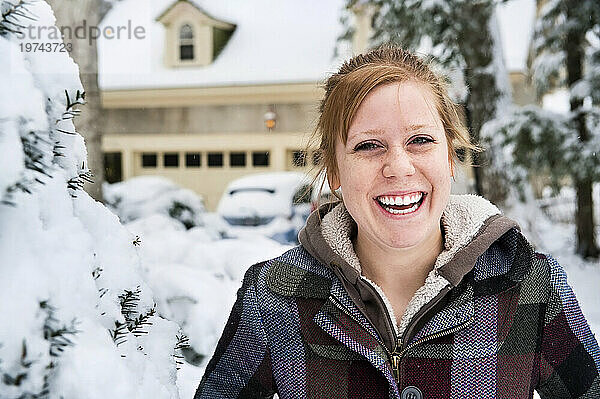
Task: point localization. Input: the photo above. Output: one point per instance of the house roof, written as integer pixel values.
(275, 42)
(283, 41)
(168, 14)
(172, 6)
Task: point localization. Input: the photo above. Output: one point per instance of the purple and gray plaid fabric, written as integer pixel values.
(510, 327)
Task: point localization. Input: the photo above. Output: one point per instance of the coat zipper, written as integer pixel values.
(437, 335)
(396, 355)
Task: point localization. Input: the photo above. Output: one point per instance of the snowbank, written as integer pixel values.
(194, 277)
(147, 195)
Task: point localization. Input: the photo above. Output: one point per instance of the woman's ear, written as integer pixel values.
(333, 180)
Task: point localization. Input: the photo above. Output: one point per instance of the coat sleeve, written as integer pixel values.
(240, 366)
(570, 359)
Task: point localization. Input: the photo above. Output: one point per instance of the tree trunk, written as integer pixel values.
(584, 216)
(477, 48)
(90, 123)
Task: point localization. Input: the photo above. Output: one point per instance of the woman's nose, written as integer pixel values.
(397, 163)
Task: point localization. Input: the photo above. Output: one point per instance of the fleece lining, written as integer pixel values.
(462, 220)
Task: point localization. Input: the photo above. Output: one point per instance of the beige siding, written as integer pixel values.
(225, 119)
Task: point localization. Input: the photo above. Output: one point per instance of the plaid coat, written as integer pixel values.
(510, 326)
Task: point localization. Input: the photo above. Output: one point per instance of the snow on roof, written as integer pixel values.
(284, 41)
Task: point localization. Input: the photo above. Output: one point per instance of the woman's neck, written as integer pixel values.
(398, 267)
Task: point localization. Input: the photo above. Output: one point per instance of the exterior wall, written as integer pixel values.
(225, 119)
(290, 93)
(202, 120)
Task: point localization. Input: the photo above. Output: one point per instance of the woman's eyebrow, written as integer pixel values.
(368, 132)
(413, 128)
(380, 132)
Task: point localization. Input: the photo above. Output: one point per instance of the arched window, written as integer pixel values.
(186, 42)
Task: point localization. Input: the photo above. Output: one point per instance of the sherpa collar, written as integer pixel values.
(470, 225)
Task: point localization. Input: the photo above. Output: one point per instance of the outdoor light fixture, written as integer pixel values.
(270, 118)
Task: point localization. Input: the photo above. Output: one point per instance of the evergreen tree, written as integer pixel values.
(463, 35)
(567, 55)
(566, 32)
(78, 319)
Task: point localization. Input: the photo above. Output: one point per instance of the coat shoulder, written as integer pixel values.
(510, 261)
(296, 273)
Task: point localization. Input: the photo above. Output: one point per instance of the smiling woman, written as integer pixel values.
(401, 290)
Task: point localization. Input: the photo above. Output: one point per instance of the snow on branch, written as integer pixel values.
(13, 16)
(540, 141)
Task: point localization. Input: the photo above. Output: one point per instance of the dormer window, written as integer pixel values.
(186, 43)
(193, 37)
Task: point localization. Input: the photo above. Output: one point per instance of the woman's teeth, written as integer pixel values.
(400, 200)
(400, 205)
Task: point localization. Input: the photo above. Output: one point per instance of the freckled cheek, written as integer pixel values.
(358, 173)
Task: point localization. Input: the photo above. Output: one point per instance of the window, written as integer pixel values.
(171, 160)
(149, 160)
(299, 159)
(192, 159)
(317, 158)
(186, 43)
(215, 159)
(260, 158)
(461, 154)
(112, 167)
(237, 159)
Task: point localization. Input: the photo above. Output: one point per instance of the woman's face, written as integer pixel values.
(394, 169)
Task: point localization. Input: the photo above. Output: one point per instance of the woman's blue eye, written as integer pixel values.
(369, 145)
(422, 140)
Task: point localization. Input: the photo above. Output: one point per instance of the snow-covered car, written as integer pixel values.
(274, 204)
(142, 196)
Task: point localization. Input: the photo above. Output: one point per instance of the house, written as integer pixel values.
(217, 89)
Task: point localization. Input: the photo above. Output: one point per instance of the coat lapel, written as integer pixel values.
(341, 319)
(457, 313)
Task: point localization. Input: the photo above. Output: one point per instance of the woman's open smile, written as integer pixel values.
(406, 204)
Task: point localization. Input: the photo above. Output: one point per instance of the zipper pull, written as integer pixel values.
(395, 360)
